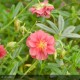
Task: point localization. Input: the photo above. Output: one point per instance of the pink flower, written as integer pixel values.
(41, 44)
(42, 9)
(2, 51)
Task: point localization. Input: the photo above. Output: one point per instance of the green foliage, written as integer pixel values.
(17, 9)
(60, 23)
(60, 30)
(64, 25)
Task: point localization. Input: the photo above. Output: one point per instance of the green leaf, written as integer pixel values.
(77, 29)
(17, 52)
(17, 9)
(69, 30)
(54, 27)
(52, 65)
(14, 70)
(44, 27)
(64, 13)
(54, 68)
(71, 35)
(60, 23)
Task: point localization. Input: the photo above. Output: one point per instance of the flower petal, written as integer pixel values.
(30, 43)
(2, 51)
(41, 56)
(33, 51)
(41, 35)
(50, 50)
(50, 40)
(33, 37)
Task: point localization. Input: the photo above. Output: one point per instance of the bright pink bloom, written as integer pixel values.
(2, 51)
(41, 44)
(42, 9)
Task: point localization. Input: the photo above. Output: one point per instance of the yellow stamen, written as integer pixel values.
(41, 45)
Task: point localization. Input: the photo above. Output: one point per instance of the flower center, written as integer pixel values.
(41, 45)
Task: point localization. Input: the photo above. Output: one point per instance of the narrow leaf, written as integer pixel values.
(17, 9)
(69, 29)
(56, 30)
(64, 13)
(71, 35)
(77, 29)
(14, 70)
(60, 23)
(17, 52)
(44, 27)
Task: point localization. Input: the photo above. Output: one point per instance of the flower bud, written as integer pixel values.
(11, 44)
(23, 29)
(17, 24)
(63, 53)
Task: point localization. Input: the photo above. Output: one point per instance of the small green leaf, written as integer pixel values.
(69, 30)
(54, 68)
(60, 23)
(77, 29)
(45, 28)
(54, 27)
(17, 52)
(17, 9)
(14, 70)
(71, 35)
(64, 13)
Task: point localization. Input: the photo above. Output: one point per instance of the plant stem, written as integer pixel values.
(53, 17)
(22, 38)
(28, 32)
(31, 68)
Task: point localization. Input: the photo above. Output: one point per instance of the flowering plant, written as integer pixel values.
(44, 45)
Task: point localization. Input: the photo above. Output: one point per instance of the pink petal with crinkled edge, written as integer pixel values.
(41, 35)
(50, 8)
(50, 40)
(47, 13)
(33, 51)
(50, 49)
(41, 56)
(2, 51)
(30, 43)
(39, 11)
(33, 37)
(32, 10)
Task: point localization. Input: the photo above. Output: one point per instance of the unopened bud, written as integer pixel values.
(17, 24)
(11, 44)
(63, 53)
(23, 29)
